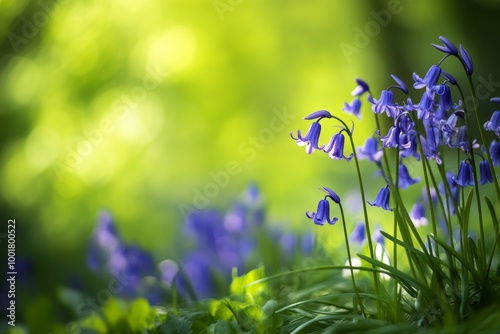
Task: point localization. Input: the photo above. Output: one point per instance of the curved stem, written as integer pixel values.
(365, 212)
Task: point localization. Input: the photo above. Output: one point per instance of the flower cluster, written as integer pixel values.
(214, 245)
(426, 127)
(109, 254)
(429, 127)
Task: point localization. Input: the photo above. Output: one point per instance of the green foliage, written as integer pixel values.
(117, 316)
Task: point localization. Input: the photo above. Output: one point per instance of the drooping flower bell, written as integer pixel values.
(361, 88)
(405, 180)
(417, 214)
(382, 199)
(494, 123)
(322, 214)
(310, 140)
(430, 79)
(391, 140)
(358, 235)
(465, 175)
(370, 151)
(335, 147)
(467, 60)
(485, 173)
(353, 108)
(448, 46)
(384, 103)
(495, 152)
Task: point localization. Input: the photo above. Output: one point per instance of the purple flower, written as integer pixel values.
(353, 108)
(425, 105)
(361, 88)
(430, 79)
(454, 188)
(467, 61)
(319, 114)
(431, 143)
(370, 150)
(417, 214)
(382, 199)
(448, 46)
(495, 152)
(311, 138)
(332, 195)
(409, 144)
(405, 180)
(322, 214)
(400, 84)
(391, 140)
(307, 243)
(358, 235)
(465, 176)
(235, 219)
(384, 103)
(485, 173)
(494, 123)
(445, 101)
(335, 148)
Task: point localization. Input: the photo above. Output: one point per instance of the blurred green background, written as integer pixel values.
(133, 106)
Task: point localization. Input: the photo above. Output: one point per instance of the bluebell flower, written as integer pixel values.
(494, 123)
(358, 235)
(382, 199)
(462, 140)
(322, 214)
(198, 268)
(204, 226)
(409, 144)
(406, 125)
(391, 140)
(353, 108)
(370, 151)
(319, 114)
(454, 188)
(104, 242)
(485, 173)
(288, 243)
(235, 220)
(445, 100)
(432, 141)
(361, 88)
(311, 138)
(405, 180)
(469, 66)
(335, 148)
(430, 79)
(495, 152)
(307, 243)
(465, 175)
(332, 195)
(400, 84)
(449, 78)
(384, 103)
(417, 214)
(495, 99)
(448, 46)
(425, 105)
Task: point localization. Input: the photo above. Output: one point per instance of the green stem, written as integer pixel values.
(473, 161)
(350, 262)
(367, 223)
